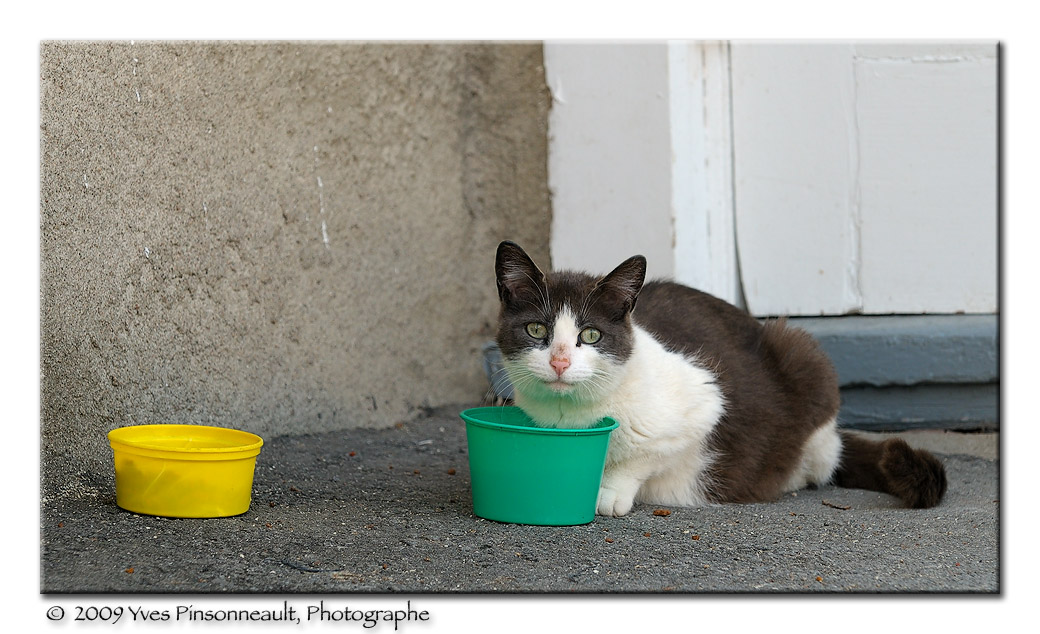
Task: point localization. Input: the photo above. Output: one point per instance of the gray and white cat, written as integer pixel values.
(713, 406)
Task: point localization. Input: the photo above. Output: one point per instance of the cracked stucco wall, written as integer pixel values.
(279, 237)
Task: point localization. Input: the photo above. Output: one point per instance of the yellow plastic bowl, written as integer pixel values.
(184, 470)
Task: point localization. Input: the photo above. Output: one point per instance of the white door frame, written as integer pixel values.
(640, 160)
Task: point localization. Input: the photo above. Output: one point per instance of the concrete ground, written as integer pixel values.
(389, 511)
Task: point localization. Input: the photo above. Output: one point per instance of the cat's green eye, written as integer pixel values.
(536, 330)
(590, 335)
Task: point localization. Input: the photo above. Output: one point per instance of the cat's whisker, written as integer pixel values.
(490, 396)
(542, 292)
(586, 304)
(597, 384)
(500, 370)
(534, 305)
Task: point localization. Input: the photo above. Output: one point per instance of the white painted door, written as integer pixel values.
(802, 179)
(865, 177)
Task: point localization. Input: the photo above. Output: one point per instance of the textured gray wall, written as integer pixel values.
(279, 237)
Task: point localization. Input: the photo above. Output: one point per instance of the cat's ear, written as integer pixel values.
(516, 274)
(621, 286)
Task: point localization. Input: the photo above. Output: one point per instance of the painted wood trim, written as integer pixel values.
(702, 168)
(909, 349)
(965, 407)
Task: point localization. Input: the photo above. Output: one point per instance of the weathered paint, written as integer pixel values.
(865, 177)
(705, 252)
(793, 160)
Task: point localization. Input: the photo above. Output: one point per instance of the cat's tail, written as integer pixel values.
(891, 466)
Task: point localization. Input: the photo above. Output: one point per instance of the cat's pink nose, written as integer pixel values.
(560, 365)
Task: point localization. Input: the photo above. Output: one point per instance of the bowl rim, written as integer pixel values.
(601, 427)
(118, 436)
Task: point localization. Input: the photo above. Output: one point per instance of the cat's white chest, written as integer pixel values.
(664, 400)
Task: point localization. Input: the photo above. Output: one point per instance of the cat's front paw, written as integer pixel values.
(613, 503)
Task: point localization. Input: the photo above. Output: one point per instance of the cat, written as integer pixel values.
(712, 405)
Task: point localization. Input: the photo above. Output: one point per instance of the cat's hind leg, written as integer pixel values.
(820, 457)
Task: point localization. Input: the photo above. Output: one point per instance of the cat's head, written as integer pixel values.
(564, 334)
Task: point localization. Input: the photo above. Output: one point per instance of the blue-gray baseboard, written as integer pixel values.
(914, 371)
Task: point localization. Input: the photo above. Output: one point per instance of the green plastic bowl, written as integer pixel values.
(524, 474)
